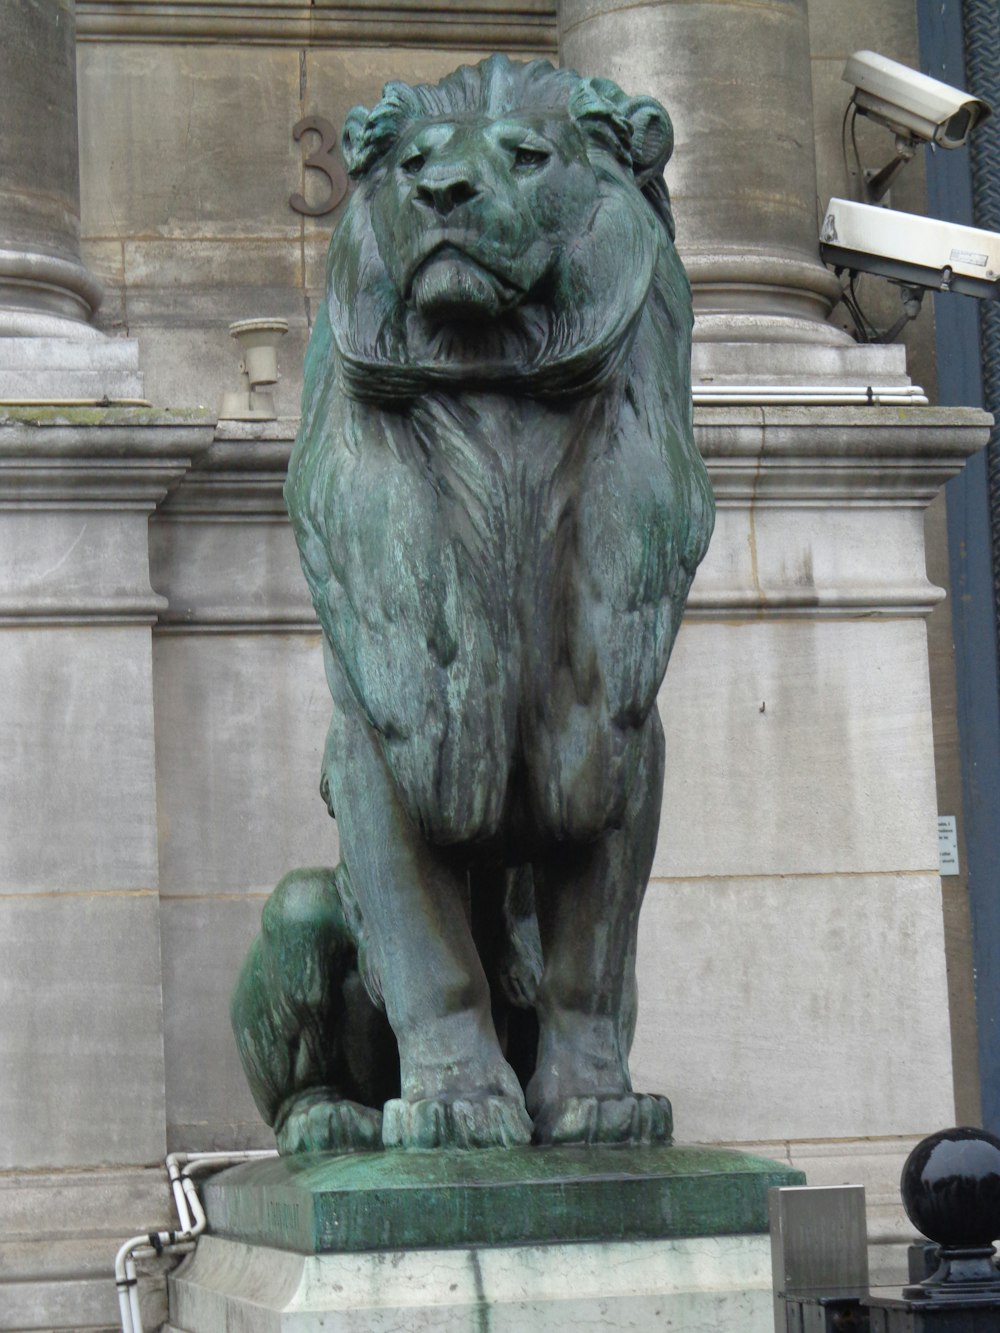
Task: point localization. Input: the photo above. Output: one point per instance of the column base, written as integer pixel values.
(794, 362)
(81, 366)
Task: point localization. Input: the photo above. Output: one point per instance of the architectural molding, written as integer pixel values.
(221, 547)
(76, 488)
(820, 515)
(484, 25)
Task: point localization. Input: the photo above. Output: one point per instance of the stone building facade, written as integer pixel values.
(806, 986)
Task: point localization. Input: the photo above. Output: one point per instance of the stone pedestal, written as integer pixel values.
(554, 1238)
(81, 1029)
(712, 1284)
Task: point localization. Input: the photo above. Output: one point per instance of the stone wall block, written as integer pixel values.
(239, 681)
(81, 1040)
(81, 1036)
(59, 1232)
(851, 25)
(167, 133)
(77, 778)
(241, 722)
(205, 940)
(76, 488)
(817, 1004)
(798, 747)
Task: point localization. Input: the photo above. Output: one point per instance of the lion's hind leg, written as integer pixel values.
(297, 1011)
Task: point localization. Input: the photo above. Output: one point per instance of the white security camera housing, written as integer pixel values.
(917, 107)
(916, 251)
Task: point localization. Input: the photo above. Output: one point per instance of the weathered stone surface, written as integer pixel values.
(45, 369)
(322, 1204)
(203, 942)
(157, 127)
(79, 915)
(76, 711)
(824, 995)
(189, 356)
(59, 1233)
(800, 363)
(221, 548)
(705, 1285)
(485, 25)
(833, 715)
(44, 287)
(80, 998)
(254, 708)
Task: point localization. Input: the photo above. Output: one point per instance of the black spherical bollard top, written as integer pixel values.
(951, 1188)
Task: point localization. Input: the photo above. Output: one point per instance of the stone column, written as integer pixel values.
(49, 350)
(44, 287)
(735, 78)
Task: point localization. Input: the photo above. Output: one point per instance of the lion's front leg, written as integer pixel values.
(457, 1090)
(588, 903)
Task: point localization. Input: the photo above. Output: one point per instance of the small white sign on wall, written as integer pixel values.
(947, 845)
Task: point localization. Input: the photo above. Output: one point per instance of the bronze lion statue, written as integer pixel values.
(499, 508)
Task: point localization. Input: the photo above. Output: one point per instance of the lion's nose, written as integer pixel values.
(445, 196)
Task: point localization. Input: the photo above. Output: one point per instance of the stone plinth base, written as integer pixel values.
(707, 1284)
(85, 367)
(325, 1204)
(553, 1238)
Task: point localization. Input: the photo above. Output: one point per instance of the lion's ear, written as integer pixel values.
(353, 140)
(652, 137)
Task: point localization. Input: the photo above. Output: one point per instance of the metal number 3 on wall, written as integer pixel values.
(322, 158)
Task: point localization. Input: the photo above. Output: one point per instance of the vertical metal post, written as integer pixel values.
(819, 1249)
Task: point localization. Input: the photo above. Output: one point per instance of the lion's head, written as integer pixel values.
(508, 225)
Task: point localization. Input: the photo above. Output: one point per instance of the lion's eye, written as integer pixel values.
(529, 157)
(412, 164)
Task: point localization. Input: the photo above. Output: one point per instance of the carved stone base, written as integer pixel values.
(710, 1284)
(524, 1238)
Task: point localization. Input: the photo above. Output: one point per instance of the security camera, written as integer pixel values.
(911, 250)
(915, 106)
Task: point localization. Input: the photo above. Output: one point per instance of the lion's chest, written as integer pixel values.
(461, 603)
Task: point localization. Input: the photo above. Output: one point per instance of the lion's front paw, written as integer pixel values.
(605, 1118)
(455, 1122)
(320, 1121)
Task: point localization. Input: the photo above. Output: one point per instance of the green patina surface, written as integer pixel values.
(500, 508)
(320, 1204)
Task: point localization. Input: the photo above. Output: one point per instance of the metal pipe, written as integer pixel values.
(190, 1214)
(809, 395)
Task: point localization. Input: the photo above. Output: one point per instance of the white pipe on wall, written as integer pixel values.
(190, 1214)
